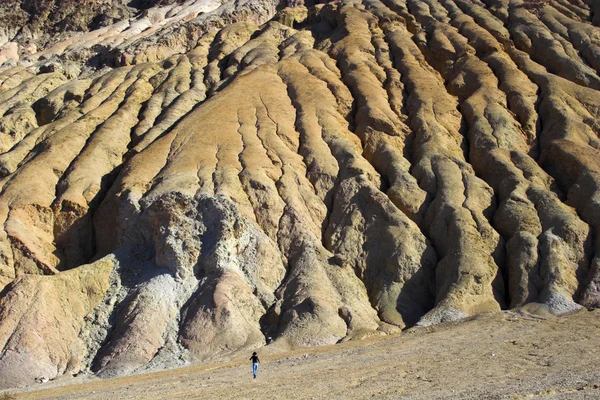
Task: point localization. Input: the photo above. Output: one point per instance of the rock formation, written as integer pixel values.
(185, 179)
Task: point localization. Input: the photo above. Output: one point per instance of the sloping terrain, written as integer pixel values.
(495, 356)
(208, 176)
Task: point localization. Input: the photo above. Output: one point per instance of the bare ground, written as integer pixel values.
(505, 355)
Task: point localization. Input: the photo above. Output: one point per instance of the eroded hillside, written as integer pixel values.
(204, 177)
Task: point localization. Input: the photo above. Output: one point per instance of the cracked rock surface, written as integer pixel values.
(182, 180)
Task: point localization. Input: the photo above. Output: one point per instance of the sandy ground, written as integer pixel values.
(498, 356)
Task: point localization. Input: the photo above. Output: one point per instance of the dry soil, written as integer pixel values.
(505, 355)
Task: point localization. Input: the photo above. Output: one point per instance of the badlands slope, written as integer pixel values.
(500, 356)
(183, 180)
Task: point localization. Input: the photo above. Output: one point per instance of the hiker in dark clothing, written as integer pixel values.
(255, 362)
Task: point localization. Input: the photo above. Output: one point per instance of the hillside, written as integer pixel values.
(184, 180)
(499, 356)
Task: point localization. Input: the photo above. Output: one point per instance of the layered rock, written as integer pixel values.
(209, 177)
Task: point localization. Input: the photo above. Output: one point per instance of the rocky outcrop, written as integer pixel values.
(207, 177)
(29, 26)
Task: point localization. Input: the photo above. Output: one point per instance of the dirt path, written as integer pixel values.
(498, 356)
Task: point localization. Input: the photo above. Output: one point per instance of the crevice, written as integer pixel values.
(575, 48)
(82, 224)
(214, 174)
(143, 140)
(69, 169)
(274, 122)
(277, 162)
(350, 115)
(381, 49)
(487, 55)
(133, 138)
(576, 13)
(444, 79)
(301, 133)
(536, 152)
(48, 131)
(244, 167)
(157, 179)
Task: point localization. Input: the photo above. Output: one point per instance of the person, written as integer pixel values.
(255, 362)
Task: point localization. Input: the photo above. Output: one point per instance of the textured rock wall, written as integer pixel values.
(208, 177)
